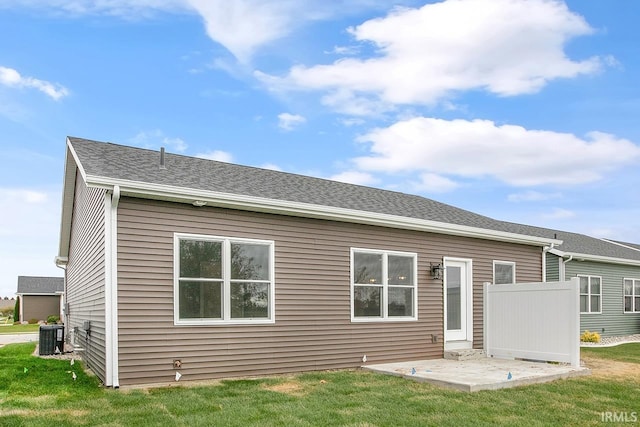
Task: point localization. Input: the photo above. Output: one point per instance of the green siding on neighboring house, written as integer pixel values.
(553, 267)
(613, 320)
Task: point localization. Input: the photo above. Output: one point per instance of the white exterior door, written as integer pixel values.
(458, 301)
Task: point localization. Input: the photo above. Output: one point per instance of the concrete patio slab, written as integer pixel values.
(480, 374)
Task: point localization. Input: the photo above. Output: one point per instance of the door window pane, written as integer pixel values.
(400, 301)
(367, 301)
(454, 298)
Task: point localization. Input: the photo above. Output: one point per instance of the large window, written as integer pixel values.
(632, 295)
(222, 280)
(504, 272)
(590, 294)
(383, 285)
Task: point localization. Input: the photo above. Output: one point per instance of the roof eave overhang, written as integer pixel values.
(72, 166)
(283, 207)
(576, 256)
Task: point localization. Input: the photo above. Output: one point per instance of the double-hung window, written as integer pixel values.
(632, 295)
(590, 294)
(221, 280)
(383, 285)
(504, 272)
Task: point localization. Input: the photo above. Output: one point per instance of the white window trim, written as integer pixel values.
(589, 294)
(385, 287)
(226, 279)
(633, 296)
(511, 263)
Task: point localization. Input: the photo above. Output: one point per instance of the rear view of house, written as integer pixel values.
(40, 297)
(180, 264)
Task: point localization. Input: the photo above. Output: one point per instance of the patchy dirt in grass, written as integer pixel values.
(45, 412)
(292, 388)
(607, 368)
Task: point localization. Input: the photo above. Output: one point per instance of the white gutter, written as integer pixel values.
(112, 200)
(307, 210)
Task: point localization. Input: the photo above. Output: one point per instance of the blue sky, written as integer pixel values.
(526, 111)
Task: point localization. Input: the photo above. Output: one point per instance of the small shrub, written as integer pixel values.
(16, 310)
(53, 319)
(590, 337)
(33, 321)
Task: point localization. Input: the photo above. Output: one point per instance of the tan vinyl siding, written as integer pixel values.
(39, 307)
(313, 328)
(85, 275)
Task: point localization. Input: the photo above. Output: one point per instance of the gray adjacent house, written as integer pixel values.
(220, 270)
(609, 275)
(40, 297)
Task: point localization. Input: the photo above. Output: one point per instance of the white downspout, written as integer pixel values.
(562, 277)
(111, 287)
(544, 261)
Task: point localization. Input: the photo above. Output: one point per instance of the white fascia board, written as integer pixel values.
(72, 165)
(306, 210)
(633, 248)
(606, 259)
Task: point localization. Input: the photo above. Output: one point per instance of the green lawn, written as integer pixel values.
(42, 392)
(623, 353)
(18, 329)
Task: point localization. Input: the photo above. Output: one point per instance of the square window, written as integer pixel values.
(383, 285)
(504, 272)
(221, 280)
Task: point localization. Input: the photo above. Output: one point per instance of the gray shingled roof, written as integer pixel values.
(137, 164)
(40, 285)
(120, 162)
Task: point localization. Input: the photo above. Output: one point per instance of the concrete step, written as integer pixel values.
(464, 354)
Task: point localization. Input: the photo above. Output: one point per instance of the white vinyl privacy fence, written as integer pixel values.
(538, 321)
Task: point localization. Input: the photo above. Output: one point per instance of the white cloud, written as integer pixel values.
(480, 148)
(288, 121)
(355, 177)
(12, 78)
(217, 155)
(157, 138)
(244, 26)
(28, 234)
(532, 196)
(507, 47)
(434, 183)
